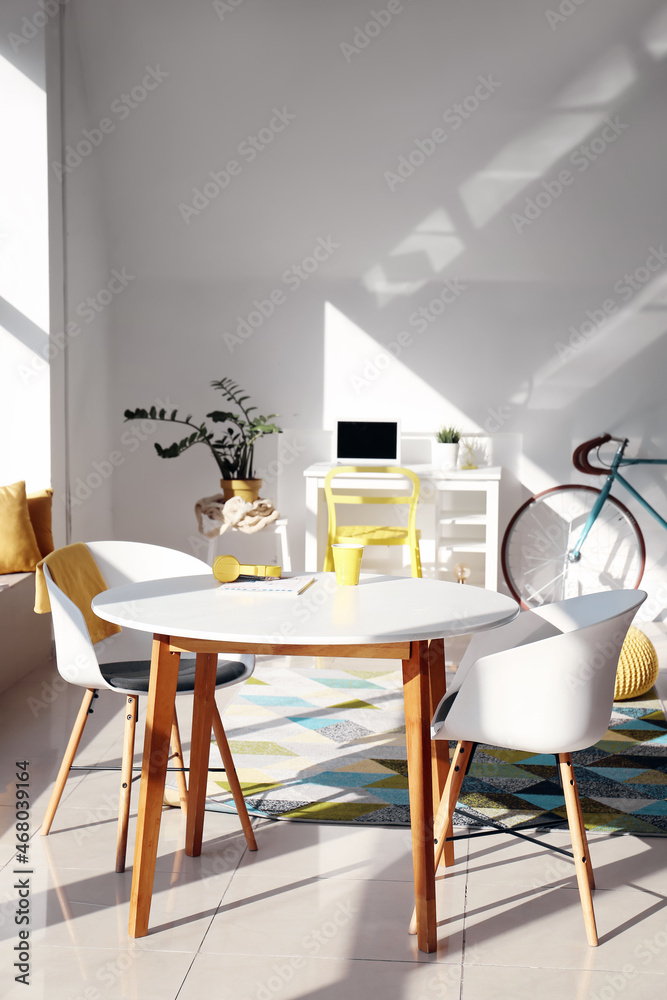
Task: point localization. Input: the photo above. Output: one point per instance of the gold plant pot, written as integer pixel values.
(246, 488)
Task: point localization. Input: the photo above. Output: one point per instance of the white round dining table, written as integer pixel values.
(383, 617)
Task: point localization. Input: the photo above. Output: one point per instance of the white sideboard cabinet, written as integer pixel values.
(466, 525)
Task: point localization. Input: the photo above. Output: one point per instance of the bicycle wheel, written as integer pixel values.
(539, 537)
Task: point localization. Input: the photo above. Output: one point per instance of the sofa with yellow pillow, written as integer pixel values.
(25, 538)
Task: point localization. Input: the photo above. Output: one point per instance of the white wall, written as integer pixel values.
(501, 355)
(24, 253)
(80, 371)
(53, 381)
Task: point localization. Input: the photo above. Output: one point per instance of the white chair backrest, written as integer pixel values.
(130, 562)
(76, 658)
(551, 695)
(119, 562)
(122, 562)
(526, 627)
(587, 609)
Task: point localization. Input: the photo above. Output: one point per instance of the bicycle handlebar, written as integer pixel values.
(580, 456)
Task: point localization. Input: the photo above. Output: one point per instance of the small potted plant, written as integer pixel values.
(446, 448)
(233, 451)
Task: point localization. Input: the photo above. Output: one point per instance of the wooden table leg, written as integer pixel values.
(416, 698)
(200, 746)
(159, 717)
(439, 748)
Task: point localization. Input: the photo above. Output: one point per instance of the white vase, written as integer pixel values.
(445, 456)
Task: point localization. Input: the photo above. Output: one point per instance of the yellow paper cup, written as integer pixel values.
(347, 562)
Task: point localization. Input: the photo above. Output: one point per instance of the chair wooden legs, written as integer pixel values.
(582, 859)
(177, 756)
(126, 772)
(586, 854)
(443, 818)
(126, 776)
(126, 780)
(232, 778)
(72, 747)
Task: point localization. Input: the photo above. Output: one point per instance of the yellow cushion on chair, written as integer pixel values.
(19, 551)
(637, 666)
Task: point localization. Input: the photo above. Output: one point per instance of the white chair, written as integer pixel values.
(121, 664)
(542, 684)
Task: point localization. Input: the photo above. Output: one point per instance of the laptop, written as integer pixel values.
(367, 442)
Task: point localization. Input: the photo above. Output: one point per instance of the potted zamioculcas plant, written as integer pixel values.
(446, 448)
(233, 450)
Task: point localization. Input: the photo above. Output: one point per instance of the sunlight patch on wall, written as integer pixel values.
(23, 196)
(533, 476)
(24, 281)
(605, 82)
(592, 351)
(655, 35)
(522, 161)
(530, 156)
(417, 259)
(363, 380)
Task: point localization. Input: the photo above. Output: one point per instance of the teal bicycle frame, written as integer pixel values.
(575, 554)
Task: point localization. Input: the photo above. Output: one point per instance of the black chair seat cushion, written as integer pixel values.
(132, 675)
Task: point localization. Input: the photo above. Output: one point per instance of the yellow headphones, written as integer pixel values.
(228, 568)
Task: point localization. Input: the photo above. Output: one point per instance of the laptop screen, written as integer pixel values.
(367, 441)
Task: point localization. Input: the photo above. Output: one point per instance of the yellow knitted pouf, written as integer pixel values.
(637, 666)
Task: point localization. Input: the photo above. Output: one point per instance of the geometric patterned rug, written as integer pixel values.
(316, 743)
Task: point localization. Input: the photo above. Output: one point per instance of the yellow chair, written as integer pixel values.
(368, 534)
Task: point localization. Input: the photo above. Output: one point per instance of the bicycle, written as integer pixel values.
(571, 540)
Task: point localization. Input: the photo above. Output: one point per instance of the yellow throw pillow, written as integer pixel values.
(39, 509)
(19, 551)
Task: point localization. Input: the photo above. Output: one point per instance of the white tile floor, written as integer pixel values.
(318, 911)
